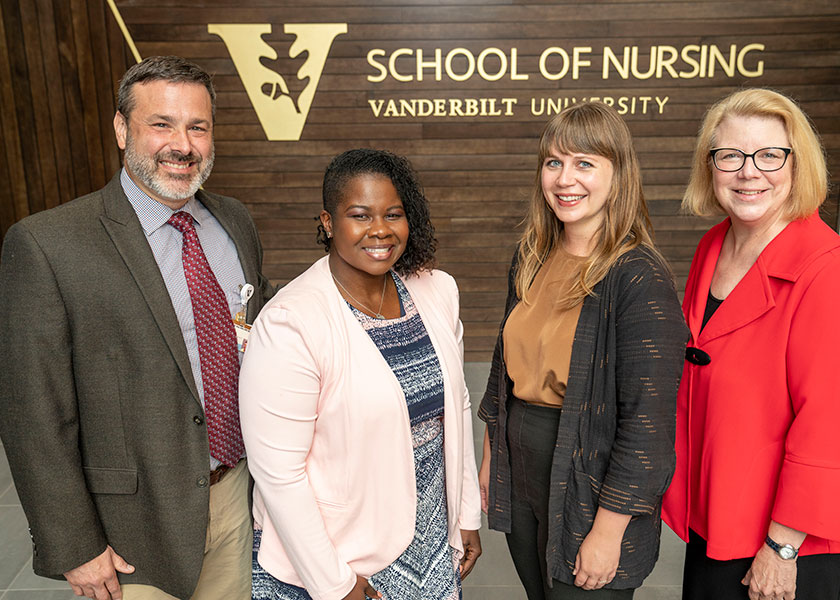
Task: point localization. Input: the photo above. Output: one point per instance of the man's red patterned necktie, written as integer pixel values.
(217, 349)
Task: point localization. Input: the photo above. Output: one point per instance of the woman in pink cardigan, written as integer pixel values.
(354, 410)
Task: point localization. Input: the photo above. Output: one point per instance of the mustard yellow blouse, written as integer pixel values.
(538, 335)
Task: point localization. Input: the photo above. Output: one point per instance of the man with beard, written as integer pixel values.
(119, 364)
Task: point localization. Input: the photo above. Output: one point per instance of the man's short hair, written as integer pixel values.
(173, 69)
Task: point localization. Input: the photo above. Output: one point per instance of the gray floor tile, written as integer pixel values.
(494, 593)
(659, 592)
(668, 570)
(40, 595)
(476, 376)
(494, 567)
(16, 547)
(5, 474)
(28, 580)
(9, 497)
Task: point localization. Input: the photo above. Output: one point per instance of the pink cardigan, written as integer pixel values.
(328, 437)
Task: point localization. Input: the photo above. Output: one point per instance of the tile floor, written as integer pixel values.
(493, 578)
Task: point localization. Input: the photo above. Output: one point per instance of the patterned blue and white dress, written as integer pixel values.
(427, 569)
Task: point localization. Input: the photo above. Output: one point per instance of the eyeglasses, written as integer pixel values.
(764, 159)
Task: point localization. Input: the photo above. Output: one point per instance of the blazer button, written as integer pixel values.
(202, 481)
(697, 356)
(198, 420)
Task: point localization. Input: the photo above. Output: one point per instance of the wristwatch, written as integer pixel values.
(786, 551)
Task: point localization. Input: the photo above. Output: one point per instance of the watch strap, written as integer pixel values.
(785, 551)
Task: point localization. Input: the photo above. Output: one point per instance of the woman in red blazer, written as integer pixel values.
(757, 483)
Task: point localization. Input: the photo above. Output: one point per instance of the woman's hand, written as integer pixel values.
(484, 473)
(771, 577)
(597, 559)
(362, 590)
(472, 550)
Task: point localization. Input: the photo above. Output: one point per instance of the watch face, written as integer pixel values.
(787, 552)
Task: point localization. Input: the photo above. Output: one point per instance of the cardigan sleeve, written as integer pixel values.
(488, 410)
(650, 335)
(279, 390)
(809, 482)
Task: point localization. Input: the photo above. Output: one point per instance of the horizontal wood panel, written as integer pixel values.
(603, 14)
(260, 179)
(560, 29)
(350, 51)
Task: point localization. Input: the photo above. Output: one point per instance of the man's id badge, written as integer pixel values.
(243, 330)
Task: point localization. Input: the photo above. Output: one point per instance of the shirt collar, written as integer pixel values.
(152, 214)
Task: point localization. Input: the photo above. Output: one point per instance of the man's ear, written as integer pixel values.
(120, 129)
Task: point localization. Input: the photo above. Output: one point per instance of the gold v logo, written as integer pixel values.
(282, 117)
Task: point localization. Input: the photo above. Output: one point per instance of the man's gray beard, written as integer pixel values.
(165, 186)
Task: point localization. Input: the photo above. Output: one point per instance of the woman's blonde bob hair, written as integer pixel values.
(810, 176)
(596, 129)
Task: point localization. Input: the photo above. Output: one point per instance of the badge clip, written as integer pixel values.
(239, 323)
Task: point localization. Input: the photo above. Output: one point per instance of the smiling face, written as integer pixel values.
(576, 187)
(749, 196)
(369, 228)
(168, 139)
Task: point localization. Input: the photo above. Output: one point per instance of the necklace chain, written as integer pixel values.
(376, 313)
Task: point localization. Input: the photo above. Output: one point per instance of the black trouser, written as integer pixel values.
(704, 578)
(532, 433)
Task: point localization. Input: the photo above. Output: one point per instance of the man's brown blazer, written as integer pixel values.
(99, 413)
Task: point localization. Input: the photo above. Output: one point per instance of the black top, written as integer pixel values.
(712, 304)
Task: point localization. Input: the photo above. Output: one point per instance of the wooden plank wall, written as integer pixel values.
(65, 58)
(59, 60)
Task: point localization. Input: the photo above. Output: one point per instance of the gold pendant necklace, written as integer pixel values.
(377, 314)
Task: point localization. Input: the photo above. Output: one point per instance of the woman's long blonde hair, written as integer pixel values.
(587, 128)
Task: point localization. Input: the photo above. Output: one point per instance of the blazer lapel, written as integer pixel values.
(698, 285)
(121, 223)
(750, 299)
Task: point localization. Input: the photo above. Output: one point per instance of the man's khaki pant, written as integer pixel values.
(226, 572)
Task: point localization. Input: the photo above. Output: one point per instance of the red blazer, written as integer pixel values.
(758, 428)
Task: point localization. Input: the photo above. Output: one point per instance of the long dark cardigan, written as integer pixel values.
(615, 439)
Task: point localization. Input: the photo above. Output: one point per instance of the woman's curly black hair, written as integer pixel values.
(420, 248)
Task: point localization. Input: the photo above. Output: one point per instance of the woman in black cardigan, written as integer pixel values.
(580, 403)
